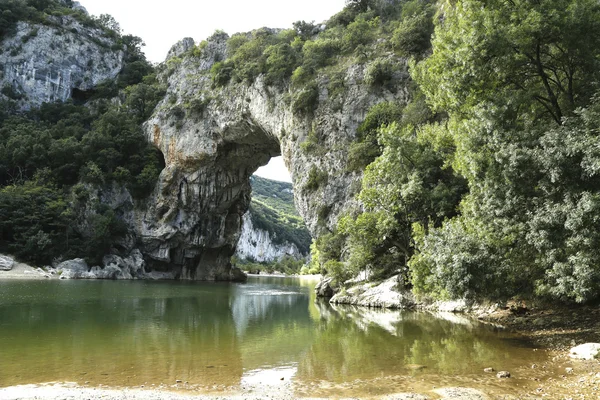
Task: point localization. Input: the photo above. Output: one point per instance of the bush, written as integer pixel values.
(306, 100)
(221, 73)
(316, 179)
(413, 35)
(379, 73)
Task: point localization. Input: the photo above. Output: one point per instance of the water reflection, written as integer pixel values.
(133, 333)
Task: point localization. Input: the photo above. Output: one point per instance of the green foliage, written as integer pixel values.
(272, 209)
(367, 147)
(379, 73)
(38, 223)
(220, 73)
(316, 179)
(412, 35)
(406, 184)
(306, 100)
(522, 127)
(54, 157)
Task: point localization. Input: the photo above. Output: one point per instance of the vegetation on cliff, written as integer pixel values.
(486, 184)
(54, 159)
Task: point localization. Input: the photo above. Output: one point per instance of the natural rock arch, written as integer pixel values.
(213, 139)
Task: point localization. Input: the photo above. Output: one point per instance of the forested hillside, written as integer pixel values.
(486, 184)
(272, 209)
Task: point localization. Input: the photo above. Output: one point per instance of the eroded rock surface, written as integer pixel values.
(214, 138)
(385, 295)
(56, 60)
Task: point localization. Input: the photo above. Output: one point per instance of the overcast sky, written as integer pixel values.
(162, 23)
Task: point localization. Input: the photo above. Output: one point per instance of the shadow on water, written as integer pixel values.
(133, 333)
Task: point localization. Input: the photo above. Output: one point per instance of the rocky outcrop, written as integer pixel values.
(384, 295)
(257, 244)
(213, 139)
(6, 263)
(325, 287)
(114, 267)
(57, 60)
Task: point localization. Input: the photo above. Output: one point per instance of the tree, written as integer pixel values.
(534, 59)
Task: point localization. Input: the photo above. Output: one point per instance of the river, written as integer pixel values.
(227, 337)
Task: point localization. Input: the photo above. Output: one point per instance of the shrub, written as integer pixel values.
(221, 73)
(306, 100)
(379, 73)
(316, 178)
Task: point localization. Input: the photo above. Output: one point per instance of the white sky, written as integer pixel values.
(162, 23)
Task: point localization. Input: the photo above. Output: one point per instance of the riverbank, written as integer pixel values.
(22, 271)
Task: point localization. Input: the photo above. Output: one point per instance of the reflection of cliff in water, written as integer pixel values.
(274, 321)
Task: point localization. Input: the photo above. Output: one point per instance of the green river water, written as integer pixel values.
(228, 337)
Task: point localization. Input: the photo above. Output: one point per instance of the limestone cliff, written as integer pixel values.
(214, 138)
(257, 244)
(53, 60)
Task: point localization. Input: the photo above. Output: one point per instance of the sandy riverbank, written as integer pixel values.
(21, 271)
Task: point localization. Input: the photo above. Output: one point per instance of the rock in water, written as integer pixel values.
(503, 374)
(587, 351)
(324, 288)
(6, 263)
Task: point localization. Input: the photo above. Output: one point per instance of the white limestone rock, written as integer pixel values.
(6, 263)
(45, 63)
(386, 294)
(257, 244)
(587, 351)
(194, 218)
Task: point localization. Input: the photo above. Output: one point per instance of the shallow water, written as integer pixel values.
(230, 337)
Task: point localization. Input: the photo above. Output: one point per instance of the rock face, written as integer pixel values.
(6, 263)
(257, 244)
(213, 139)
(56, 60)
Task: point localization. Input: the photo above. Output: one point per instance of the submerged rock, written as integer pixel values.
(587, 351)
(461, 393)
(6, 263)
(503, 374)
(114, 267)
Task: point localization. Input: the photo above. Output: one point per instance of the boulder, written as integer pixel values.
(386, 294)
(325, 288)
(6, 263)
(587, 351)
(503, 374)
(72, 269)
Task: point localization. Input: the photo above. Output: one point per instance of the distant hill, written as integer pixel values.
(272, 209)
